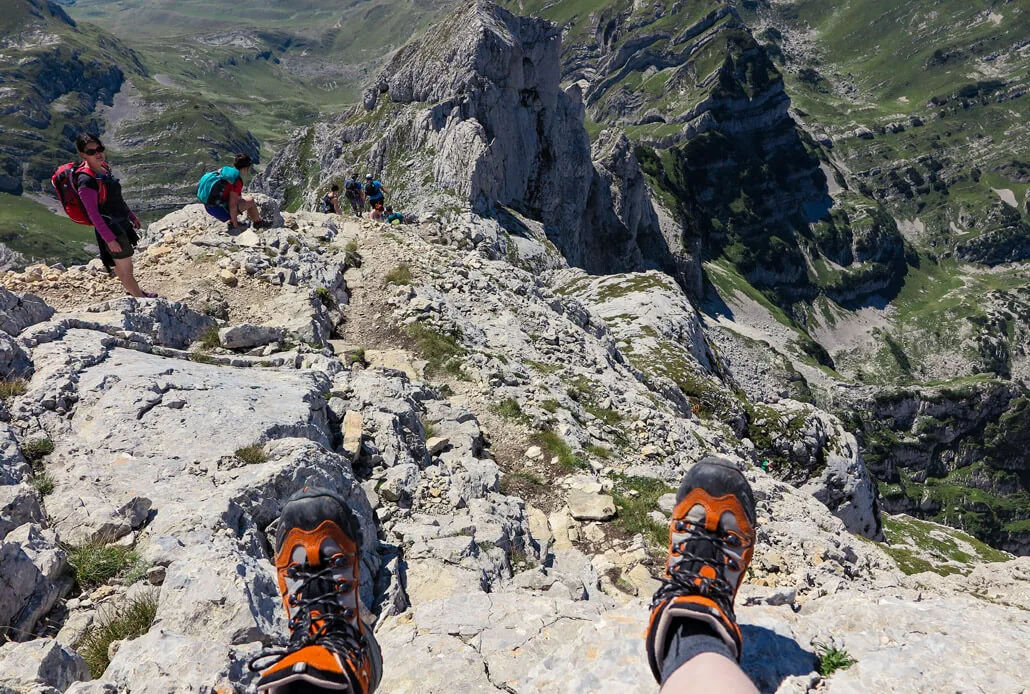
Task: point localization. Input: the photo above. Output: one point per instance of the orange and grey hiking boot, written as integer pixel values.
(317, 560)
(711, 540)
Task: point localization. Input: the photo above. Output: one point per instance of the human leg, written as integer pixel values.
(251, 208)
(123, 271)
(693, 640)
(317, 561)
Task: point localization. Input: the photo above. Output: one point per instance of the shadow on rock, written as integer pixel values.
(771, 655)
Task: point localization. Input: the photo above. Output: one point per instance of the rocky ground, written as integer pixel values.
(508, 430)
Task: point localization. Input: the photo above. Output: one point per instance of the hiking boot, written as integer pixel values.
(317, 561)
(711, 540)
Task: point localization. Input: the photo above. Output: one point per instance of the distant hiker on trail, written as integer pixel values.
(376, 215)
(375, 192)
(355, 196)
(393, 217)
(95, 197)
(330, 203)
(222, 194)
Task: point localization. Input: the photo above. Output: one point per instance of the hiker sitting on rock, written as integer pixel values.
(393, 217)
(227, 206)
(376, 215)
(330, 203)
(355, 196)
(115, 224)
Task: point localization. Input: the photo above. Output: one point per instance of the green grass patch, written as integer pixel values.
(251, 455)
(634, 508)
(40, 235)
(43, 483)
(94, 563)
(12, 388)
(554, 446)
(509, 408)
(209, 340)
(324, 296)
(399, 275)
(832, 658)
(125, 622)
(550, 405)
(521, 483)
(443, 353)
(543, 367)
(35, 450)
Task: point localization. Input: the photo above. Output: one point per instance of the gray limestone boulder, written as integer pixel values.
(33, 566)
(19, 504)
(19, 311)
(24, 666)
(248, 335)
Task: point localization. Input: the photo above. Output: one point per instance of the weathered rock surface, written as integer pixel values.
(43, 662)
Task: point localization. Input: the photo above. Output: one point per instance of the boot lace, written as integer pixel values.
(319, 619)
(684, 580)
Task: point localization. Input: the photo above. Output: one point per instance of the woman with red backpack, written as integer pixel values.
(115, 224)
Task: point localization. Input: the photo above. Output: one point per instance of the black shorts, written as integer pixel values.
(124, 234)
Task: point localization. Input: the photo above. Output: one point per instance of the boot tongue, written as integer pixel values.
(703, 549)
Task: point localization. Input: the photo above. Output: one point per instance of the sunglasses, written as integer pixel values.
(92, 152)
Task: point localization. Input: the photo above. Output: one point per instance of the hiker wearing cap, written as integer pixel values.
(375, 192)
(115, 224)
(355, 196)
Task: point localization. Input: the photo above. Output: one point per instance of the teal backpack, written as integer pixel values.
(212, 185)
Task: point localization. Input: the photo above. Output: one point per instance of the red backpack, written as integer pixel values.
(64, 184)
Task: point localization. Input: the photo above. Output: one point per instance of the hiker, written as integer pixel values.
(331, 200)
(393, 217)
(375, 192)
(376, 215)
(114, 223)
(355, 196)
(222, 194)
(693, 641)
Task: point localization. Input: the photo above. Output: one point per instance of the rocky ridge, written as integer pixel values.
(487, 563)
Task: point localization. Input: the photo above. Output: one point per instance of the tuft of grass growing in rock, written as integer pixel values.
(11, 388)
(399, 275)
(635, 498)
(209, 340)
(43, 483)
(832, 658)
(509, 409)
(94, 563)
(521, 484)
(554, 446)
(126, 622)
(325, 296)
(251, 455)
(35, 450)
(442, 352)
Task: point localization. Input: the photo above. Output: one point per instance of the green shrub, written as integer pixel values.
(95, 562)
(12, 388)
(251, 455)
(520, 483)
(399, 275)
(209, 340)
(325, 296)
(127, 622)
(35, 450)
(832, 658)
(43, 483)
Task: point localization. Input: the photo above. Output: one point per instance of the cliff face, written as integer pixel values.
(472, 115)
(707, 111)
(956, 454)
(63, 72)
